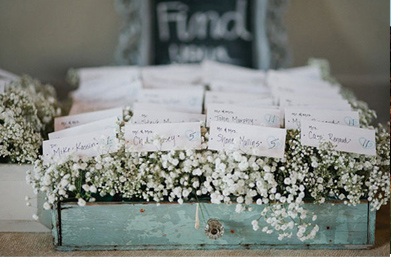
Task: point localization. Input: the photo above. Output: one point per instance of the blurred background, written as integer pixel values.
(44, 38)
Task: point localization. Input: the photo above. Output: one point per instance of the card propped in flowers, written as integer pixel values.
(64, 122)
(190, 101)
(143, 116)
(244, 115)
(162, 137)
(343, 138)
(253, 140)
(84, 145)
(102, 124)
(294, 116)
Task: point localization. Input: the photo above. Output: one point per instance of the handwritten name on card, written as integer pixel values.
(294, 116)
(84, 145)
(253, 140)
(162, 137)
(64, 122)
(103, 124)
(244, 115)
(190, 101)
(141, 116)
(343, 138)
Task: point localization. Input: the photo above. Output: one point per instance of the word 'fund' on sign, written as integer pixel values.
(230, 25)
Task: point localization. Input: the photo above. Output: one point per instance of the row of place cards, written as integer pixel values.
(255, 130)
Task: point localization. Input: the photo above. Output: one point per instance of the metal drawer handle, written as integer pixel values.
(214, 229)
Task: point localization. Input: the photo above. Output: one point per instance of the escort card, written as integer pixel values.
(190, 101)
(82, 106)
(161, 107)
(213, 97)
(103, 124)
(287, 79)
(314, 102)
(107, 90)
(293, 117)
(229, 86)
(84, 145)
(173, 74)
(122, 73)
(260, 103)
(162, 137)
(244, 115)
(8, 75)
(213, 70)
(141, 116)
(305, 91)
(253, 140)
(308, 72)
(343, 138)
(64, 122)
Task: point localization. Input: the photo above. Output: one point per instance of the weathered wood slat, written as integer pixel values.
(136, 226)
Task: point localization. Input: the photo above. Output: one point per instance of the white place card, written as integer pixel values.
(308, 72)
(213, 70)
(162, 137)
(8, 75)
(107, 90)
(253, 140)
(269, 102)
(213, 97)
(190, 101)
(314, 102)
(122, 73)
(159, 76)
(244, 115)
(343, 138)
(64, 122)
(237, 87)
(284, 79)
(142, 116)
(103, 124)
(294, 117)
(84, 145)
(83, 106)
(305, 91)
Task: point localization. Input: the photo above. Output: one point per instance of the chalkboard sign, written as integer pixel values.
(187, 31)
(248, 33)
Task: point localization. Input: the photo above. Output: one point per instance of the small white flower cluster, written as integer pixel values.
(27, 111)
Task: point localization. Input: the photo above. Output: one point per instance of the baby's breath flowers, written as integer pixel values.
(283, 186)
(27, 110)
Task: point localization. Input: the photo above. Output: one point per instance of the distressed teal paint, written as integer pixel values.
(136, 226)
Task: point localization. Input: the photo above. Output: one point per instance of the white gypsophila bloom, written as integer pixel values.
(81, 202)
(46, 206)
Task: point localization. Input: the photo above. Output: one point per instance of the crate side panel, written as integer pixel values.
(130, 225)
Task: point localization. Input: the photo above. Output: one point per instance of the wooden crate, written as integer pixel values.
(15, 215)
(140, 226)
